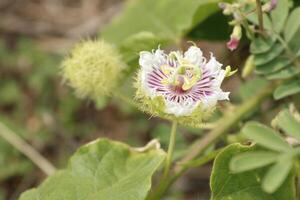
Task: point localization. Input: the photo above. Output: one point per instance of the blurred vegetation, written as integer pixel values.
(35, 103)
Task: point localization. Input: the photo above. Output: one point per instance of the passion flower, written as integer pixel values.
(183, 87)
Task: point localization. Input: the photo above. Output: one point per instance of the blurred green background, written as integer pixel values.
(35, 103)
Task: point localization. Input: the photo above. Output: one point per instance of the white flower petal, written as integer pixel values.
(219, 78)
(147, 60)
(144, 83)
(212, 100)
(194, 55)
(213, 65)
(180, 109)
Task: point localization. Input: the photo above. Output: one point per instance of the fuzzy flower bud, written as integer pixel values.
(182, 87)
(271, 5)
(235, 38)
(93, 69)
(249, 66)
(226, 7)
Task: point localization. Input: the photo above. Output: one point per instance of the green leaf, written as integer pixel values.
(280, 14)
(145, 24)
(131, 46)
(292, 26)
(265, 136)
(277, 64)
(287, 89)
(102, 169)
(166, 18)
(244, 186)
(251, 87)
(288, 72)
(276, 175)
(261, 45)
(287, 122)
(214, 28)
(252, 160)
(264, 58)
(271, 57)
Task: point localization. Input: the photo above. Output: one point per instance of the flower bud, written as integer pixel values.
(226, 7)
(271, 5)
(249, 66)
(93, 69)
(235, 38)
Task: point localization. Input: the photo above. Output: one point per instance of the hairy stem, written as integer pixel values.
(170, 150)
(26, 149)
(222, 127)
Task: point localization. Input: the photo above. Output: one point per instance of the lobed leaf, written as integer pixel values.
(286, 89)
(265, 136)
(287, 122)
(252, 160)
(280, 15)
(292, 27)
(102, 169)
(276, 175)
(246, 185)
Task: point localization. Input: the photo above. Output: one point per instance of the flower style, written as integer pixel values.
(181, 86)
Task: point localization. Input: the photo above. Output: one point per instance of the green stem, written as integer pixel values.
(222, 127)
(18, 143)
(170, 149)
(167, 182)
(297, 172)
(260, 16)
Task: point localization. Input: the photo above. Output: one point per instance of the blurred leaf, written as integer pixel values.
(166, 19)
(287, 122)
(9, 92)
(288, 72)
(280, 14)
(246, 185)
(215, 28)
(276, 175)
(140, 28)
(252, 160)
(102, 169)
(273, 57)
(251, 87)
(292, 27)
(263, 58)
(287, 89)
(265, 136)
(280, 62)
(261, 45)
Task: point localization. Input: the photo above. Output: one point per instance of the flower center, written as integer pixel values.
(182, 78)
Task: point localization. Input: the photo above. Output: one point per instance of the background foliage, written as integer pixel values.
(37, 106)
